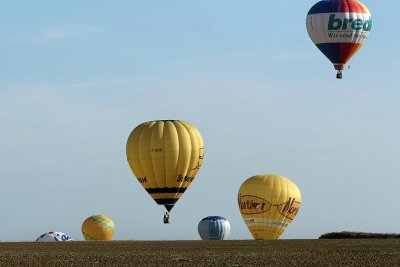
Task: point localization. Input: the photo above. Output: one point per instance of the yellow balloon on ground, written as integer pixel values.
(165, 156)
(268, 204)
(98, 227)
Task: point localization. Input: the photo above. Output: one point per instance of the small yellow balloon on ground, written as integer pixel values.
(268, 204)
(98, 227)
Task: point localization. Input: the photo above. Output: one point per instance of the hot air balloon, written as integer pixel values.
(339, 28)
(53, 237)
(98, 227)
(268, 204)
(214, 228)
(165, 156)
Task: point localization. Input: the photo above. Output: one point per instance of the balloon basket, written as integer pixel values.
(166, 218)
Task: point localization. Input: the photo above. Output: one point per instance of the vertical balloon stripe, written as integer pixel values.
(147, 155)
(283, 193)
(279, 190)
(193, 143)
(157, 153)
(171, 153)
(148, 151)
(132, 152)
(185, 155)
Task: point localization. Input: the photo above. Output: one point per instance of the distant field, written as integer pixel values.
(350, 252)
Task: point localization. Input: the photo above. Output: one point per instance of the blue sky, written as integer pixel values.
(76, 78)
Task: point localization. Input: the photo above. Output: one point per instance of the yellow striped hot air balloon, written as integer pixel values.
(165, 156)
(98, 227)
(268, 204)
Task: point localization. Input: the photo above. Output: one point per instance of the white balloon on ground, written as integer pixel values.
(54, 237)
(214, 228)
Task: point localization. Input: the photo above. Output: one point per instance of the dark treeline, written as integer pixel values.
(349, 235)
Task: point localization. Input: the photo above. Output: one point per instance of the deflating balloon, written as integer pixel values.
(98, 227)
(54, 237)
(214, 228)
(268, 204)
(165, 157)
(339, 28)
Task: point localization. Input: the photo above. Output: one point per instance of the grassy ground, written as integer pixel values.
(354, 252)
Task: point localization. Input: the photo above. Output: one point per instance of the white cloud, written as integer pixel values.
(65, 31)
(78, 85)
(57, 32)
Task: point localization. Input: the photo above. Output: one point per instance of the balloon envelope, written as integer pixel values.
(98, 227)
(339, 28)
(214, 228)
(268, 204)
(165, 156)
(54, 237)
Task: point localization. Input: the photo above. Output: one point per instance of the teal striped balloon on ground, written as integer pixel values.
(214, 228)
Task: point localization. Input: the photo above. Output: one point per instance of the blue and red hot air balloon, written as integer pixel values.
(339, 28)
